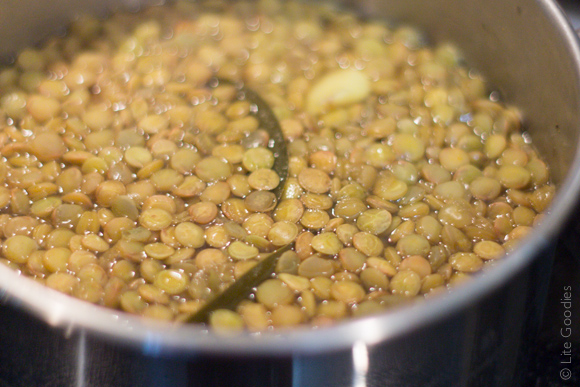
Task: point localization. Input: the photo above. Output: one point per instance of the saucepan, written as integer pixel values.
(475, 336)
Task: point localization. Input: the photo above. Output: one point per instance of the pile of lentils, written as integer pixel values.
(127, 180)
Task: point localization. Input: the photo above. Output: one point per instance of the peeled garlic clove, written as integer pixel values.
(338, 88)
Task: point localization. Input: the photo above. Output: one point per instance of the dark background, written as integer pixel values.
(546, 366)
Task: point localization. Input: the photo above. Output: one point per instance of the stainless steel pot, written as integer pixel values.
(472, 337)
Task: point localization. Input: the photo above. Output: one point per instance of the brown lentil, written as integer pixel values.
(314, 180)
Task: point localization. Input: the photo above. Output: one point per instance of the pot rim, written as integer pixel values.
(156, 338)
